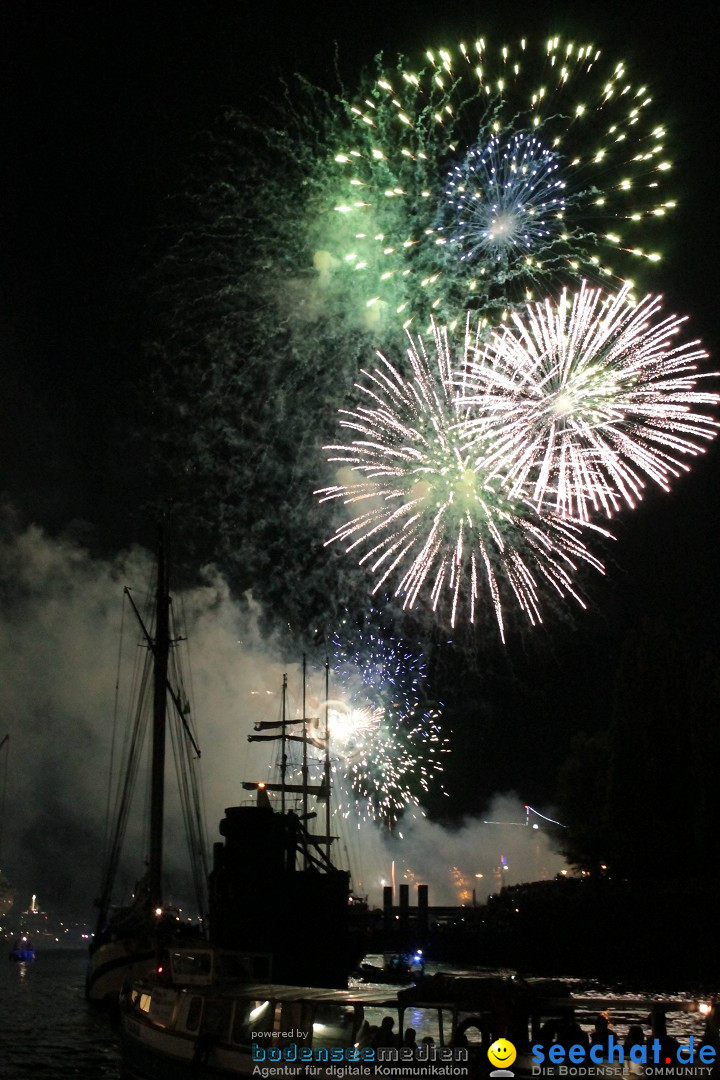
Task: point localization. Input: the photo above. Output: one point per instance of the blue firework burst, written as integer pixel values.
(504, 202)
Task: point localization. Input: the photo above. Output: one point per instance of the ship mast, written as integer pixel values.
(161, 652)
(328, 838)
(312, 845)
(304, 758)
(283, 751)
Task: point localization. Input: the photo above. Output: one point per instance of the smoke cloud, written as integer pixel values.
(59, 643)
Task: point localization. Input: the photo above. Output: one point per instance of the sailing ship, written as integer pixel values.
(274, 888)
(129, 939)
(281, 941)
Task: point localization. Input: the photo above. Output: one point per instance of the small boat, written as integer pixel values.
(399, 968)
(22, 950)
(128, 939)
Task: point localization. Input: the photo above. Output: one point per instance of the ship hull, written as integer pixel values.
(111, 963)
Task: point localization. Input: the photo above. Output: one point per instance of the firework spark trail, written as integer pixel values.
(552, 142)
(588, 398)
(440, 516)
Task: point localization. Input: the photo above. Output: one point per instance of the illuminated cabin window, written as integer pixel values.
(252, 1017)
(145, 1003)
(333, 1025)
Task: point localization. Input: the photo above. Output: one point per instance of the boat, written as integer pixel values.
(37, 926)
(201, 1014)
(400, 968)
(22, 950)
(129, 938)
(189, 1021)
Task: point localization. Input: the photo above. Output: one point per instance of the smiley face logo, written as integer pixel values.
(502, 1053)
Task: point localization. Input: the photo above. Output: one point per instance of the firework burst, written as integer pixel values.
(372, 653)
(384, 757)
(485, 174)
(588, 399)
(437, 515)
(504, 201)
(385, 736)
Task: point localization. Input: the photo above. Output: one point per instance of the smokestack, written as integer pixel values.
(387, 907)
(422, 910)
(404, 907)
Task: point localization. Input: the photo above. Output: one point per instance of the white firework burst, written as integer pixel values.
(384, 756)
(437, 516)
(587, 399)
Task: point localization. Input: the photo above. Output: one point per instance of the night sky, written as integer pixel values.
(101, 109)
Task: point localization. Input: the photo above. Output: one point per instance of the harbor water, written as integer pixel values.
(48, 1031)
